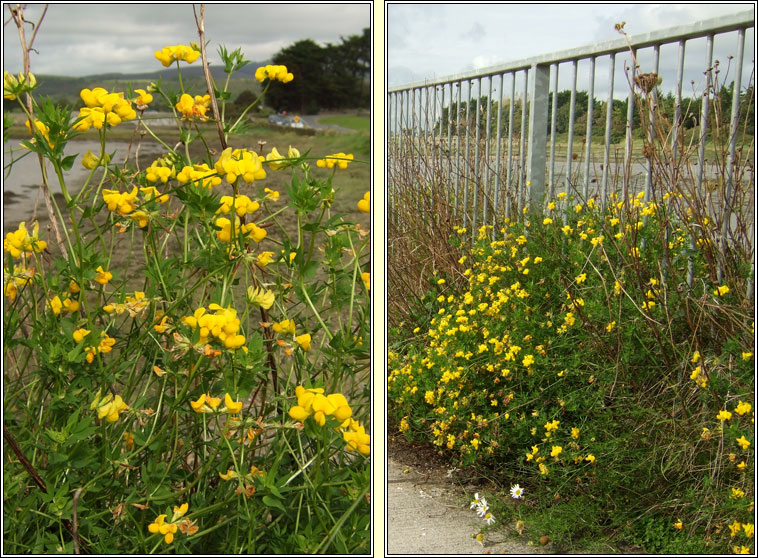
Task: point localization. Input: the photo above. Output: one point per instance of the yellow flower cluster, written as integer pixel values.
(57, 306)
(135, 305)
(194, 108)
(167, 55)
(103, 107)
(273, 72)
(311, 402)
(207, 404)
(240, 163)
(364, 205)
(339, 159)
(161, 169)
(242, 205)
(105, 346)
(14, 86)
(247, 480)
(108, 407)
(21, 242)
(223, 324)
(200, 174)
(251, 230)
(42, 128)
(168, 530)
(16, 278)
(274, 156)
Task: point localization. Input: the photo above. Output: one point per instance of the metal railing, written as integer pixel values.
(507, 167)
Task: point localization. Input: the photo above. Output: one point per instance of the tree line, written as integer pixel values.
(720, 104)
(326, 77)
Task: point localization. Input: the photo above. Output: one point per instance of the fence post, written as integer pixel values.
(537, 135)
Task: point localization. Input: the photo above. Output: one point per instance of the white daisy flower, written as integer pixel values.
(489, 519)
(517, 491)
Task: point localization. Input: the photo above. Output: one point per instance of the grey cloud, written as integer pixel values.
(79, 39)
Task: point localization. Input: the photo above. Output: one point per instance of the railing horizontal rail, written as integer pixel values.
(722, 24)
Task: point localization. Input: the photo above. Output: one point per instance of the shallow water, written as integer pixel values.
(22, 175)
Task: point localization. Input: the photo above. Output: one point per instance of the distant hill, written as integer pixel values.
(67, 89)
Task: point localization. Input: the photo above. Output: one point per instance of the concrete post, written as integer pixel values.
(536, 156)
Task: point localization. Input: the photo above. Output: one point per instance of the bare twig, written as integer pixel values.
(207, 72)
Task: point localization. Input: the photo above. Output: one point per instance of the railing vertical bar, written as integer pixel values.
(437, 153)
(676, 130)
(572, 117)
(488, 138)
(629, 121)
(416, 146)
(588, 137)
(608, 127)
(522, 147)
(553, 121)
(497, 157)
(477, 179)
(509, 184)
(703, 133)
(468, 161)
(449, 146)
(459, 86)
(728, 201)
(678, 103)
(651, 126)
(651, 135)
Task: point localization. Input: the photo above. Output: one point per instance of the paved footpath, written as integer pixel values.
(429, 516)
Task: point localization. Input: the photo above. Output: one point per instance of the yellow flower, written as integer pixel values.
(284, 326)
(366, 277)
(552, 426)
(742, 441)
(261, 297)
(590, 458)
(143, 98)
(724, 415)
(556, 451)
(749, 530)
(304, 341)
(232, 407)
(339, 159)
(20, 241)
(159, 526)
(80, 334)
(205, 404)
(273, 72)
(742, 408)
(746, 356)
(721, 290)
(110, 407)
(167, 55)
(575, 432)
(264, 258)
(364, 205)
(737, 493)
(271, 194)
(735, 528)
(190, 109)
(103, 276)
(678, 525)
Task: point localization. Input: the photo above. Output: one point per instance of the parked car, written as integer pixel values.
(286, 120)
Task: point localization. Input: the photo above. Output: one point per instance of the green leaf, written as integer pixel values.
(68, 162)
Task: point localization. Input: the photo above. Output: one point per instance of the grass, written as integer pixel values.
(353, 122)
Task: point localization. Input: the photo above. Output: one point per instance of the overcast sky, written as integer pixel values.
(427, 41)
(88, 39)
